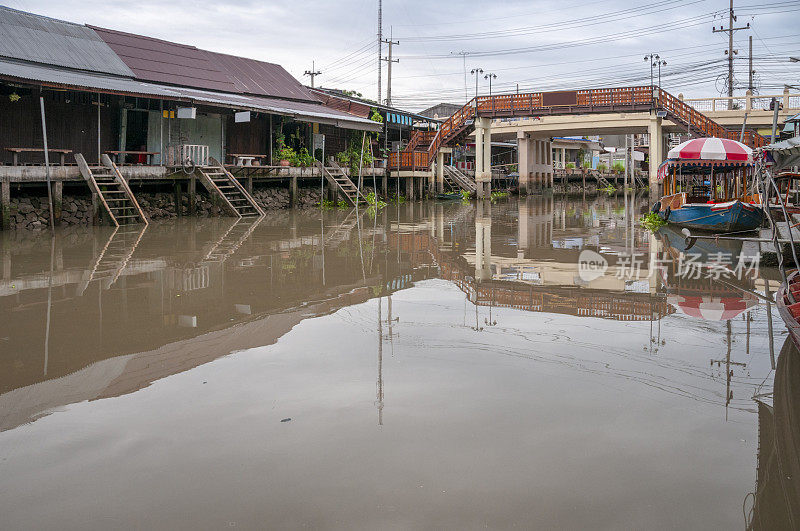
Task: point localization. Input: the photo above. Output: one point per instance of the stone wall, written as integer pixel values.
(31, 212)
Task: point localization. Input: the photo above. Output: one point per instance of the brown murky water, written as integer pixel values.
(439, 365)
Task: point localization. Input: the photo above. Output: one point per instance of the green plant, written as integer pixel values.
(570, 166)
(652, 221)
(374, 200)
(602, 168)
(287, 153)
(618, 167)
(304, 159)
(609, 189)
(498, 195)
(396, 198)
(327, 204)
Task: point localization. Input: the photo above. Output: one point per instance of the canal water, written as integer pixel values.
(541, 363)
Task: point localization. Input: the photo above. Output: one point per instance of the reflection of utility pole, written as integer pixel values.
(728, 370)
(380, 365)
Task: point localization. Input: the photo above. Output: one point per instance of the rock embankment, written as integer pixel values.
(32, 213)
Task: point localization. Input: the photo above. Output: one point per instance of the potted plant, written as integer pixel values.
(286, 156)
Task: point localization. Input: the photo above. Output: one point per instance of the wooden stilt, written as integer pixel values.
(293, 191)
(5, 204)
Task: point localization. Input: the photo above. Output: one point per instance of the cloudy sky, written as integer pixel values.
(539, 45)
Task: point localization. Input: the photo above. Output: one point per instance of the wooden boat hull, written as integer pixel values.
(449, 197)
(790, 313)
(734, 216)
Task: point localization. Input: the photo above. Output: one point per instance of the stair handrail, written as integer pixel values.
(88, 176)
(108, 163)
(214, 162)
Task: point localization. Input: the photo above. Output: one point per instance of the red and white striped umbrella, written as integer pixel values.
(711, 149)
(711, 308)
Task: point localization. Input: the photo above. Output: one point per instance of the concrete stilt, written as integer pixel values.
(385, 183)
(58, 201)
(178, 204)
(5, 205)
(192, 195)
(292, 192)
(97, 217)
(410, 188)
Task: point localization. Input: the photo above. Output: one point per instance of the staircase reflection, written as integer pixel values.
(114, 257)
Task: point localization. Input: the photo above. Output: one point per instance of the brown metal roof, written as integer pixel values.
(167, 62)
(261, 78)
(179, 64)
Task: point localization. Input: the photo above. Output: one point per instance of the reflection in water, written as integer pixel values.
(122, 311)
(775, 503)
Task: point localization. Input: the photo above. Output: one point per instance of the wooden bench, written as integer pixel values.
(17, 150)
(119, 156)
(244, 159)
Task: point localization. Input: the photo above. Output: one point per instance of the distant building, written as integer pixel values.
(441, 111)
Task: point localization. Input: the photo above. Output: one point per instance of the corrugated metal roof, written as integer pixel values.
(45, 40)
(261, 78)
(167, 62)
(103, 83)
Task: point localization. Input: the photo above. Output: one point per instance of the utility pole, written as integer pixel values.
(750, 69)
(380, 45)
(389, 62)
(312, 73)
(730, 31)
(464, 55)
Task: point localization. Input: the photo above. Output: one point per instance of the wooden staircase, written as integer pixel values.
(115, 195)
(222, 184)
(114, 257)
(341, 182)
(459, 179)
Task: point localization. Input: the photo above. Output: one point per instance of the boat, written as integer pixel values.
(708, 187)
(788, 302)
(449, 196)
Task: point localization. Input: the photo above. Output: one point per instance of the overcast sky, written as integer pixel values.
(540, 45)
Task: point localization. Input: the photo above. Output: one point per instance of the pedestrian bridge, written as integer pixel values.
(533, 118)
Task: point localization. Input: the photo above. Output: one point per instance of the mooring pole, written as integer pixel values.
(47, 165)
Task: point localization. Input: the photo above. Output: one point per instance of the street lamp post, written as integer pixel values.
(477, 73)
(490, 77)
(655, 61)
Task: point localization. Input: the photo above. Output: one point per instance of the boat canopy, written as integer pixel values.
(701, 155)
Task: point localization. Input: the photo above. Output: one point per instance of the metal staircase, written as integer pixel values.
(115, 195)
(461, 181)
(114, 257)
(341, 182)
(222, 184)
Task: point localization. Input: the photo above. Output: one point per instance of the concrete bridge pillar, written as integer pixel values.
(656, 151)
(524, 162)
(483, 156)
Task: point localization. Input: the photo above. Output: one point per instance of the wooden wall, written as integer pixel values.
(71, 124)
(248, 137)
